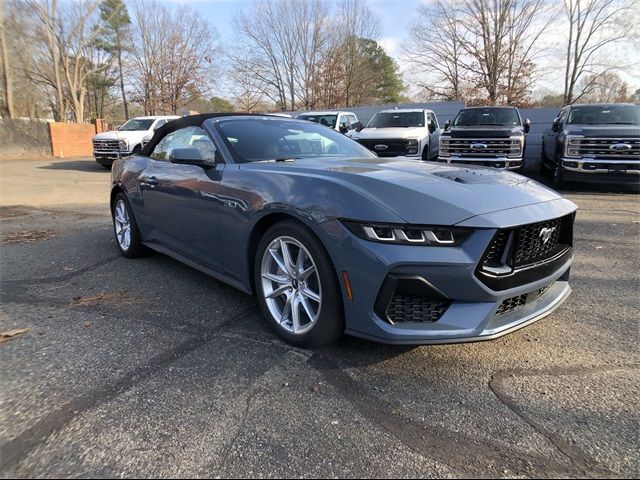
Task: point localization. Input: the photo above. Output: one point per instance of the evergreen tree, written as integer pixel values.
(114, 37)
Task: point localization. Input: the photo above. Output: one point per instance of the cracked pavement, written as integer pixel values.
(148, 368)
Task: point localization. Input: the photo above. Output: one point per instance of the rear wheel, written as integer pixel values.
(297, 286)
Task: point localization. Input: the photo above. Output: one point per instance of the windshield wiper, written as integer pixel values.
(284, 159)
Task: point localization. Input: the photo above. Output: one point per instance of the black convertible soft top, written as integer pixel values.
(187, 121)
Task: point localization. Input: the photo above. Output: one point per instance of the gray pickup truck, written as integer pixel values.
(593, 143)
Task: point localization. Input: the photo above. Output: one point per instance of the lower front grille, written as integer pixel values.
(404, 308)
(511, 304)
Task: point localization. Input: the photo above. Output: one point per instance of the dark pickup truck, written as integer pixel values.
(593, 143)
(489, 136)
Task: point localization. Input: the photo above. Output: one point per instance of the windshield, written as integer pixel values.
(136, 124)
(472, 117)
(397, 119)
(605, 115)
(262, 139)
(326, 120)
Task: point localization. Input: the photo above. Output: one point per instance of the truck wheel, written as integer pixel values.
(543, 161)
(556, 178)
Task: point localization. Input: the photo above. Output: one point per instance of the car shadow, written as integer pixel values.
(88, 165)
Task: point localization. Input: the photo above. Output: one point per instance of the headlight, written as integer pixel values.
(123, 145)
(408, 234)
(572, 146)
(444, 147)
(412, 146)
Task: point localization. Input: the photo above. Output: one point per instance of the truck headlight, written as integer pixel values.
(123, 145)
(408, 234)
(412, 146)
(444, 147)
(572, 146)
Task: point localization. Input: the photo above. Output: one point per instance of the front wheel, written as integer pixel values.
(297, 286)
(126, 229)
(556, 178)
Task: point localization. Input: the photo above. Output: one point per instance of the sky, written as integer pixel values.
(394, 16)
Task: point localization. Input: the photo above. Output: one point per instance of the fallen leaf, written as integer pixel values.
(87, 324)
(12, 333)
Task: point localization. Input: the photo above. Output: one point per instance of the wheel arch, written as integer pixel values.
(261, 227)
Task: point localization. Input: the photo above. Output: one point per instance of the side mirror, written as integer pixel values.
(556, 124)
(527, 125)
(447, 125)
(188, 156)
(343, 128)
(432, 126)
(358, 126)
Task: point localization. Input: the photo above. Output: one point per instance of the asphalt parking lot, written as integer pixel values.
(148, 368)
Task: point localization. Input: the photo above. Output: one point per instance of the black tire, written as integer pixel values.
(106, 167)
(556, 175)
(543, 162)
(425, 153)
(329, 326)
(136, 248)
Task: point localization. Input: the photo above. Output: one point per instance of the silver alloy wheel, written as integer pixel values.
(291, 285)
(122, 225)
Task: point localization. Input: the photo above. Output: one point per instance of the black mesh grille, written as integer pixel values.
(511, 304)
(534, 242)
(405, 308)
(542, 291)
(496, 249)
(394, 147)
(529, 243)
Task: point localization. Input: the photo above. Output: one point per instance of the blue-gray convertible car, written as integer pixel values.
(332, 239)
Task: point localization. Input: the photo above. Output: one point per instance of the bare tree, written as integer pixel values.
(6, 71)
(246, 89)
(477, 48)
(436, 53)
(593, 25)
(175, 57)
(605, 87)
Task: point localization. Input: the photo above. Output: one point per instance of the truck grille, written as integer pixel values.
(511, 304)
(625, 148)
(406, 308)
(475, 147)
(107, 145)
(394, 148)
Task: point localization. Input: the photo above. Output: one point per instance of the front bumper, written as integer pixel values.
(601, 170)
(108, 157)
(498, 162)
(474, 310)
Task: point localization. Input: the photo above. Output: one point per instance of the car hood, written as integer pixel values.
(373, 133)
(603, 130)
(483, 132)
(423, 192)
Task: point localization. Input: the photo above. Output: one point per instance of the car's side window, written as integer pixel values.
(189, 137)
(432, 118)
(352, 120)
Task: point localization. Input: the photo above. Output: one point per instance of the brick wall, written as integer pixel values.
(71, 139)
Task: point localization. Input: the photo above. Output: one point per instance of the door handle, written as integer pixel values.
(149, 181)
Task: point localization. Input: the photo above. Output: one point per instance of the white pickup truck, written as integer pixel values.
(343, 122)
(126, 140)
(402, 133)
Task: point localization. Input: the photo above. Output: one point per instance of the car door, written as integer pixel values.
(183, 201)
(550, 137)
(434, 138)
